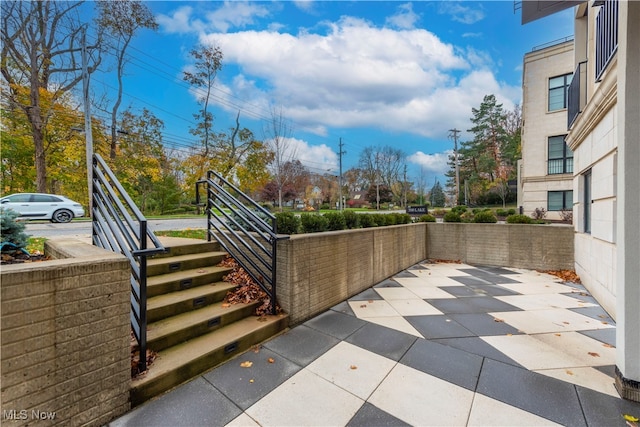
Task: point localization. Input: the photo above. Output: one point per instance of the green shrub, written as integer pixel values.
(439, 212)
(519, 219)
(366, 221)
(404, 219)
(467, 217)
(336, 221)
(459, 209)
(503, 212)
(427, 218)
(485, 217)
(378, 220)
(313, 223)
(352, 219)
(12, 230)
(511, 211)
(287, 222)
(325, 206)
(476, 210)
(452, 216)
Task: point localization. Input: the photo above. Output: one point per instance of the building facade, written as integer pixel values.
(545, 174)
(603, 133)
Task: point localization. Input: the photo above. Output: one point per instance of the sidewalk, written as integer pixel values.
(438, 344)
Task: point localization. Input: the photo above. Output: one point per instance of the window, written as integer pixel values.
(559, 92)
(560, 200)
(560, 156)
(587, 202)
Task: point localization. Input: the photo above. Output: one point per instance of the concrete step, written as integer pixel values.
(182, 362)
(165, 265)
(180, 280)
(173, 303)
(182, 246)
(183, 327)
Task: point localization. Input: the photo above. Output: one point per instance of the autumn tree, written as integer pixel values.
(382, 165)
(41, 47)
(277, 133)
(121, 20)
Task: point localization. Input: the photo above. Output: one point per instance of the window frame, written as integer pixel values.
(567, 78)
(567, 200)
(567, 166)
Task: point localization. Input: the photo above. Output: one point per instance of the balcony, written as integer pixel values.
(606, 35)
(577, 93)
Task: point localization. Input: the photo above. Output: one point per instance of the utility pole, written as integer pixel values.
(87, 119)
(453, 133)
(404, 186)
(377, 184)
(340, 153)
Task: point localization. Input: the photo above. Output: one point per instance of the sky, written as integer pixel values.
(367, 73)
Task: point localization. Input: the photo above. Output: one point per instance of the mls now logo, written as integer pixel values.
(36, 414)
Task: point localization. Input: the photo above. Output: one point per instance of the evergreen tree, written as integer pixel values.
(436, 195)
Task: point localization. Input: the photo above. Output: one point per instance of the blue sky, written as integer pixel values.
(373, 73)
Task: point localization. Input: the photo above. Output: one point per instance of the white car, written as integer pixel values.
(43, 206)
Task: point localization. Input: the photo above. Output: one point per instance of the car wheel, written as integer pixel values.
(62, 215)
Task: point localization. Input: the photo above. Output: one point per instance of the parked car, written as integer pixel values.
(43, 206)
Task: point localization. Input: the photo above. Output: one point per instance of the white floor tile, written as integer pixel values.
(306, 400)
(374, 308)
(544, 301)
(414, 307)
(409, 282)
(585, 377)
(490, 412)
(352, 368)
(243, 420)
(422, 400)
(398, 323)
(533, 288)
(396, 293)
(429, 292)
(586, 350)
(550, 320)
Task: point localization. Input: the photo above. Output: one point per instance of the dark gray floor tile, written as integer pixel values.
(343, 308)
(607, 336)
(483, 324)
(536, 393)
(497, 270)
(302, 345)
(371, 416)
(404, 274)
(335, 324)
(471, 305)
(477, 346)
(495, 290)
(597, 313)
(607, 370)
(463, 291)
(383, 341)
(495, 279)
(246, 385)
(604, 410)
(196, 403)
(447, 363)
(366, 295)
(389, 283)
(469, 280)
(440, 326)
(419, 266)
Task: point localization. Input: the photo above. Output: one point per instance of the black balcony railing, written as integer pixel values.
(606, 35)
(577, 94)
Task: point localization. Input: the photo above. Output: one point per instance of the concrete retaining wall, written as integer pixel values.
(65, 337)
(535, 247)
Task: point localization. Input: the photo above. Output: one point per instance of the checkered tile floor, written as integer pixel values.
(436, 345)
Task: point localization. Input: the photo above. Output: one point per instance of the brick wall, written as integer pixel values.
(65, 337)
(318, 270)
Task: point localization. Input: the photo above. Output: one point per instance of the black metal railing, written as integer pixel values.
(245, 230)
(577, 97)
(119, 226)
(606, 35)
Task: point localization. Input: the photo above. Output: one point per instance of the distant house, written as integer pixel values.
(603, 134)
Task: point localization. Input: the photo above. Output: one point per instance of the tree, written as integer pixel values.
(122, 19)
(208, 61)
(383, 166)
(278, 134)
(436, 195)
(382, 190)
(41, 44)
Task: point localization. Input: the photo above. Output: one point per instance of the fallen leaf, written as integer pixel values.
(569, 372)
(631, 418)
(608, 345)
(558, 335)
(271, 360)
(605, 323)
(370, 301)
(566, 323)
(246, 364)
(602, 316)
(495, 319)
(593, 354)
(262, 319)
(251, 380)
(509, 335)
(256, 349)
(353, 367)
(202, 271)
(226, 305)
(363, 306)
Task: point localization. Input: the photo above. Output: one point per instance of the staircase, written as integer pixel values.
(189, 326)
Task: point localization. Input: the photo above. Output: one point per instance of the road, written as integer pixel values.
(82, 229)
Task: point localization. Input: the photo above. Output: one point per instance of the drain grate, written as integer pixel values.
(214, 322)
(231, 347)
(185, 284)
(175, 266)
(198, 302)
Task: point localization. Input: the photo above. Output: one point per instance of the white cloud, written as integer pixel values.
(431, 164)
(306, 5)
(318, 158)
(405, 18)
(461, 13)
(232, 14)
